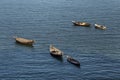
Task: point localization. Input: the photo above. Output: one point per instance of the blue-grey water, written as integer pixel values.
(49, 22)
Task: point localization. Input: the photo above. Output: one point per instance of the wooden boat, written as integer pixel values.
(76, 23)
(73, 61)
(97, 26)
(24, 41)
(55, 52)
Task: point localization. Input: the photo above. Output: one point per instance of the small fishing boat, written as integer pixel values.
(24, 41)
(76, 23)
(73, 61)
(55, 51)
(97, 26)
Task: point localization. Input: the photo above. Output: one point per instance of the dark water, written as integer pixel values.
(49, 22)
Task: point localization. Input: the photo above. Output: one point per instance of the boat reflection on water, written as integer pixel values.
(30, 46)
(58, 58)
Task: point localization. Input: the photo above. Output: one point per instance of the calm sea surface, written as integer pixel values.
(49, 22)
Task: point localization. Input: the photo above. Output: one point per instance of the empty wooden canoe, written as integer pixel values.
(55, 51)
(24, 41)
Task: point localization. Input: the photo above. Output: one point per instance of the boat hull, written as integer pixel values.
(100, 27)
(85, 24)
(73, 61)
(55, 52)
(24, 41)
(55, 55)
